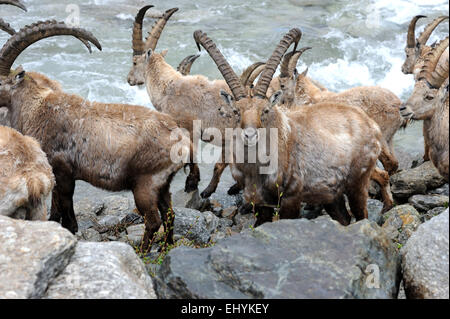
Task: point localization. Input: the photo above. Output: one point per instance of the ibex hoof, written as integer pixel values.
(206, 193)
(234, 190)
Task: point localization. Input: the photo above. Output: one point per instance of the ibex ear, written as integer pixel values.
(227, 97)
(148, 54)
(276, 98)
(164, 53)
(304, 73)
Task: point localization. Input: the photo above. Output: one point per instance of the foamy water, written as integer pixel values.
(354, 42)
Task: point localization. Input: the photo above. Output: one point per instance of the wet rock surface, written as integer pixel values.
(286, 259)
(425, 260)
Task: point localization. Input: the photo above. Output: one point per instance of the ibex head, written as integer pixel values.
(250, 111)
(12, 79)
(431, 77)
(414, 47)
(136, 76)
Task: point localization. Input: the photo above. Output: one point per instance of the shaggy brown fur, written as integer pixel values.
(26, 178)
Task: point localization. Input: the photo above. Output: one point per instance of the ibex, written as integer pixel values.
(4, 25)
(26, 177)
(429, 102)
(417, 49)
(112, 146)
(325, 151)
(185, 98)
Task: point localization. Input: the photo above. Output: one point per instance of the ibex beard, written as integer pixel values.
(252, 146)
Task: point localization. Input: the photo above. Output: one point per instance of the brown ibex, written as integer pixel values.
(417, 49)
(111, 146)
(26, 177)
(185, 98)
(429, 102)
(325, 151)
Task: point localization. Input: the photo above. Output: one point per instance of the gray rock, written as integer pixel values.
(88, 207)
(117, 205)
(243, 222)
(135, 234)
(190, 200)
(400, 222)
(102, 271)
(196, 226)
(132, 219)
(110, 221)
(425, 203)
(89, 234)
(440, 191)
(286, 259)
(374, 208)
(416, 181)
(31, 254)
(431, 213)
(425, 260)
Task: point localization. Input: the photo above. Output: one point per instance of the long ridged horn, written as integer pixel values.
(411, 38)
(15, 3)
(225, 69)
(6, 27)
(245, 76)
(293, 36)
(35, 32)
(425, 35)
(436, 64)
(153, 36)
(185, 65)
(138, 44)
(289, 62)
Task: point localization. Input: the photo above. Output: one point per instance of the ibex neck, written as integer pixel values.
(158, 77)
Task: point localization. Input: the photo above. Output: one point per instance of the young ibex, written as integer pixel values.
(3, 24)
(417, 49)
(111, 146)
(429, 102)
(26, 177)
(325, 151)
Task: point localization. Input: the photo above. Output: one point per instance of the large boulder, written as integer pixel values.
(287, 259)
(425, 260)
(424, 203)
(400, 223)
(416, 181)
(103, 270)
(31, 254)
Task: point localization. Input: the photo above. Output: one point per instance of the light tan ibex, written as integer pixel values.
(112, 146)
(325, 151)
(417, 49)
(429, 102)
(26, 177)
(185, 98)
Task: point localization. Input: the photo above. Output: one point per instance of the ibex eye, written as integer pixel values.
(429, 97)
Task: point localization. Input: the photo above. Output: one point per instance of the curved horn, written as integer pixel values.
(185, 65)
(225, 69)
(153, 36)
(15, 3)
(425, 35)
(289, 62)
(6, 27)
(293, 36)
(411, 38)
(255, 74)
(436, 65)
(33, 33)
(137, 43)
(245, 76)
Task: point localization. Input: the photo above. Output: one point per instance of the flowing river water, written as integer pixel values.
(354, 43)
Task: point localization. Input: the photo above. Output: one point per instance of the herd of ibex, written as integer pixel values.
(328, 143)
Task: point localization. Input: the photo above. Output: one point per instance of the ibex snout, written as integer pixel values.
(250, 136)
(406, 111)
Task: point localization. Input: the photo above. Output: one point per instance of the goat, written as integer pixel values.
(380, 104)
(4, 25)
(185, 98)
(416, 50)
(428, 103)
(26, 177)
(112, 146)
(325, 151)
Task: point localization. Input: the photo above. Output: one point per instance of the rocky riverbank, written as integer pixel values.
(218, 254)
